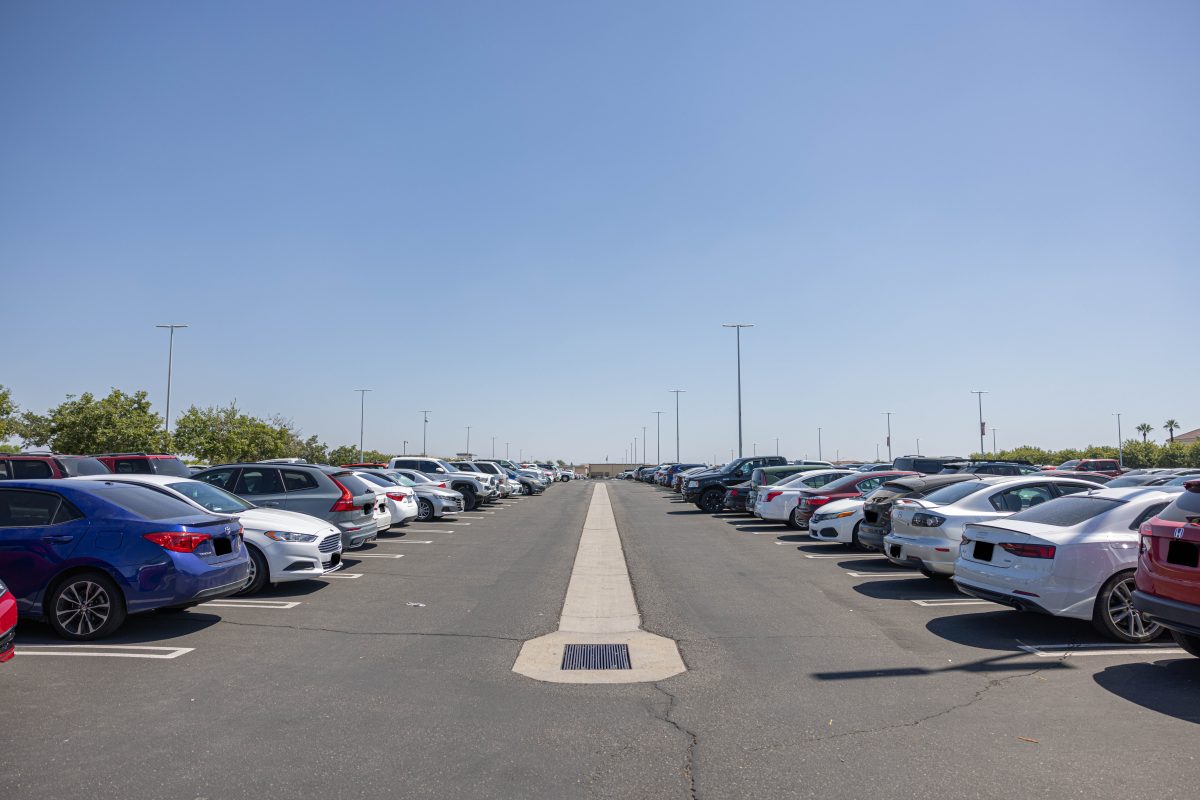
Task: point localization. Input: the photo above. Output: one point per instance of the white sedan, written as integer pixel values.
(399, 503)
(1071, 557)
(837, 521)
(926, 531)
(775, 502)
(283, 545)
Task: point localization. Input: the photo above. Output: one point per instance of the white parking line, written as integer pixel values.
(855, 556)
(375, 555)
(403, 541)
(766, 533)
(1072, 650)
(430, 530)
(952, 601)
(343, 576)
(281, 605)
(905, 573)
(102, 650)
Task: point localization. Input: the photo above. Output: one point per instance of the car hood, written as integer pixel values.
(838, 506)
(270, 519)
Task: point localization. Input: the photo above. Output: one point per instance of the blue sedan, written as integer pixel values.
(83, 555)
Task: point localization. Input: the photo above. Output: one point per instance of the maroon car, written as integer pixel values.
(860, 484)
(1106, 466)
(26, 466)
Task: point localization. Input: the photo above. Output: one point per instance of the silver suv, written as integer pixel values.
(329, 493)
(473, 486)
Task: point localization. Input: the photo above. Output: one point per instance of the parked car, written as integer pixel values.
(775, 503)
(679, 479)
(1168, 571)
(1109, 466)
(470, 485)
(926, 531)
(329, 493)
(989, 467)
(434, 498)
(877, 508)
(283, 546)
(1098, 478)
(84, 554)
(143, 464)
(707, 489)
(32, 466)
(494, 488)
(857, 485)
(400, 501)
(838, 521)
(8, 624)
(929, 465)
(742, 496)
(1072, 556)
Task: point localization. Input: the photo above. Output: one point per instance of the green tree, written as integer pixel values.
(219, 435)
(1173, 455)
(8, 413)
(1139, 455)
(1145, 429)
(116, 423)
(1170, 426)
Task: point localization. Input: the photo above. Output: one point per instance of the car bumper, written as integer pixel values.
(935, 555)
(184, 580)
(833, 530)
(8, 626)
(871, 536)
(357, 535)
(297, 561)
(1002, 597)
(1174, 615)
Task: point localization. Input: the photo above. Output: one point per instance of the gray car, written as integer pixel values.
(433, 500)
(333, 494)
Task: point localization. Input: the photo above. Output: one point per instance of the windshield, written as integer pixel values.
(1069, 464)
(954, 492)
(446, 466)
(400, 479)
(376, 478)
(1067, 511)
(413, 478)
(211, 497)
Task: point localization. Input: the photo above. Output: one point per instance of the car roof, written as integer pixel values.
(927, 481)
(157, 480)
(1128, 493)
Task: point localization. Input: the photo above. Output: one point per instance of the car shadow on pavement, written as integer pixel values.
(906, 589)
(282, 591)
(1170, 687)
(1005, 629)
(1006, 662)
(149, 628)
(797, 538)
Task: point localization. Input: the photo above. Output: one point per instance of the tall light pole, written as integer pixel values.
(170, 369)
(493, 447)
(425, 434)
(658, 435)
(754, 450)
(643, 443)
(362, 415)
(677, 392)
(994, 450)
(819, 456)
(737, 326)
(776, 445)
(1120, 443)
(404, 452)
(634, 450)
(877, 451)
(889, 433)
(468, 441)
(918, 447)
(982, 429)
(506, 458)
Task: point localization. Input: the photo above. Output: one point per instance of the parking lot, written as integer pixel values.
(812, 671)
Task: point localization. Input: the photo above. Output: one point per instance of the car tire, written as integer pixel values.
(424, 510)
(470, 499)
(712, 501)
(85, 606)
(855, 544)
(1114, 614)
(260, 572)
(1187, 642)
(792, 521)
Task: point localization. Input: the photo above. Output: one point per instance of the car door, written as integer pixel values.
(261, 486)
(38, 531)
(303, 493)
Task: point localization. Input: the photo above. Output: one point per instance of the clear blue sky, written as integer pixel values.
(533, 218)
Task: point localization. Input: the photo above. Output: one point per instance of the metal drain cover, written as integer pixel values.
(596, 656)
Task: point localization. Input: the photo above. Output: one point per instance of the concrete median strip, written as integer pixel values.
(600, 609)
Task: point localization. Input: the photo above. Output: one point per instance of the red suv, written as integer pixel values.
(144, 464)
(1168, 572)
(1105, 466)
(26, 466)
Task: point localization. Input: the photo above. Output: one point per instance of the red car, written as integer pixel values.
(8, 624)
(24, 466)
(144, 464)
(859, 484)
(1106, 466)
(1168, 571)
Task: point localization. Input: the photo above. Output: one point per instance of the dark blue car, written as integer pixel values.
(83, 554)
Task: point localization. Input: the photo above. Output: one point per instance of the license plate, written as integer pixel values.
(984, 550)
(895, 551)
(1183, 554)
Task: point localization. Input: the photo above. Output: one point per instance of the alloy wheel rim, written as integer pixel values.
(83, 608)
(1124, 616)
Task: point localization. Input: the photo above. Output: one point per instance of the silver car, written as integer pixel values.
(433, 499)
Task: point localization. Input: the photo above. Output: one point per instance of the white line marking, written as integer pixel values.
(432, 530)
(769, 533)
(404, 541)
(1068, 650)
(281, 605)
(951, 601)
(376, 555)
(101, 650)
(855, 556)
(344, 576)
(910, 574)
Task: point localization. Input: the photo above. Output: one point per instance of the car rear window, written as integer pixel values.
(1066, 511)
(145, 502)
(355, 485)
(889, 491)
(171, 466)
(26, 469)
(1185, 508)
(954, 492)
(378, 480)
(84, 466)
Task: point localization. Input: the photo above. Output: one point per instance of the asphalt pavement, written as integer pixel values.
(811, 672)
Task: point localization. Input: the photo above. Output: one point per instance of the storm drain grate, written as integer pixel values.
(596, 656)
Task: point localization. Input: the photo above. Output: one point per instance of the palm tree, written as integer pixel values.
(1145, 429)
(1170, 426)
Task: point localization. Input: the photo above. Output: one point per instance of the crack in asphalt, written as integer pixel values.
(375, 633)
(689, 757)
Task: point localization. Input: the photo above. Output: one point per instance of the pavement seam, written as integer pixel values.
(689, 756)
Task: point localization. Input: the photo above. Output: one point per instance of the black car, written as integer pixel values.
(990, 467)
(707, 489)
(930, 465)
(877, 510)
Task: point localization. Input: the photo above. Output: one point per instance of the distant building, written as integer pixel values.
(1187, 438)
(605, 470)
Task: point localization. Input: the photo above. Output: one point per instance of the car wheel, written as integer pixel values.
(424, 510)
(86, 606)
(470, 500)
(260, 573)
(1114, 614)
(1187, 642)
(712, 501)
(855, 544)
(793, 519)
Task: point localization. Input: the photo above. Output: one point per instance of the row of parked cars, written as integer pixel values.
(1084, 540)
(87, 540)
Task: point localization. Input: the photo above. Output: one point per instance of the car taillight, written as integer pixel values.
(771, 496)
(442, 485)
(1192, 486)
(1029, 550)
(398, 496)
(733, 492)
(177, 541)
(346, 501)
(819, 500)
(923, 520)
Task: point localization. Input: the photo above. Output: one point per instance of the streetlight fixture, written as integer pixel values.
(362, 415)
(737, 326)
(677, 392)
(889, 433)
(658, 435)
(425, 435)
(170, 369)
(982, 428)
(1120, 443)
